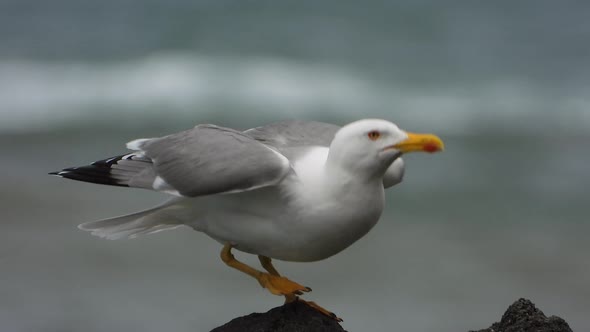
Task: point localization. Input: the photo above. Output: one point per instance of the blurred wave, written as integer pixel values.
(44, 94)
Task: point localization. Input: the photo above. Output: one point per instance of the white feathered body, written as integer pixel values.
(312, 215)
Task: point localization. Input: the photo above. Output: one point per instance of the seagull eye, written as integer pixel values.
(374, 135)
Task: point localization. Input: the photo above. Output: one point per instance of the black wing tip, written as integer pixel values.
(87, 174)
(109, 162)
(98, 172)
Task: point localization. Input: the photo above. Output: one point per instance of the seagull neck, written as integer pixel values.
(339, 176)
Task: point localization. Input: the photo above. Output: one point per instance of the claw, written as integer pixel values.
(321, 310)
(280, 285)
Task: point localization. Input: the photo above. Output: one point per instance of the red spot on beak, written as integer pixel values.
(430, 148)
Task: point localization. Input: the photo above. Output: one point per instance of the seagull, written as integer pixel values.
(298, 191)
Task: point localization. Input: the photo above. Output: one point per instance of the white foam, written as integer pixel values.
(35, 94)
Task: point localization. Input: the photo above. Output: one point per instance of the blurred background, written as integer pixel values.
(501, 214)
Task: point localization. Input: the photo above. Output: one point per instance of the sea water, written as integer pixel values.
(501, 214)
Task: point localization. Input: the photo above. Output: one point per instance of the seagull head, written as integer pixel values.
(369, 146)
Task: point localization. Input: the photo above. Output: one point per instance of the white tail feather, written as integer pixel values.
(137, 143)
(132, 225)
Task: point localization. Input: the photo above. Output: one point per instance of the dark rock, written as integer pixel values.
(523, 316)
(291, 317)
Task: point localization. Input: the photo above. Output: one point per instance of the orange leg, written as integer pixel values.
(266, 263)
(274, 283)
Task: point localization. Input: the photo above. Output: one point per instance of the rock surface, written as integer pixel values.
(523, 316)
(291, 317)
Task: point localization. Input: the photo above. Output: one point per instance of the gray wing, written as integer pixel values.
(209, 159)
(290, 136)
(201, 161)
(294, 133)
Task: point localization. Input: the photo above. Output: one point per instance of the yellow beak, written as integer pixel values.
(420, 142)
